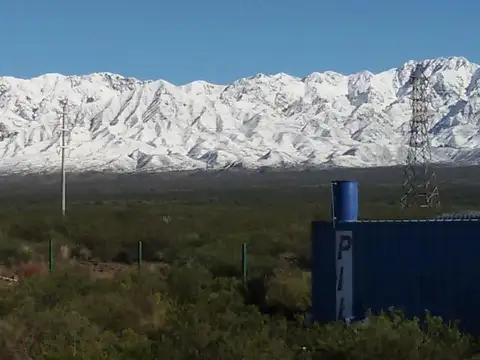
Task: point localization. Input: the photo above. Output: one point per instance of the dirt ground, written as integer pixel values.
(13, 274)
(98, 270)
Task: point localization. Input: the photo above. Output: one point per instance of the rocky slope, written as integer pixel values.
(324, 119)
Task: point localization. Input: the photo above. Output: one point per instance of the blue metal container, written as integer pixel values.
(344, 201)
(359, 268)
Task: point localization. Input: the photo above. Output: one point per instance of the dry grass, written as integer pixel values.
(30, 269)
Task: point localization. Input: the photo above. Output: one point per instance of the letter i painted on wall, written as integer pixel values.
(344, 264)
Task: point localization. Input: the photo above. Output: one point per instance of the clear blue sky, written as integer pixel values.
(222, 40)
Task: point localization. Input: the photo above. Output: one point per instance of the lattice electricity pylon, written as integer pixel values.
(419, 181)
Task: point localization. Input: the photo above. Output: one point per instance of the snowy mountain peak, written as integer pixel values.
(324, 119)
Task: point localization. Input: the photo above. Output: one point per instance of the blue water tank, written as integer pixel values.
(344, 201)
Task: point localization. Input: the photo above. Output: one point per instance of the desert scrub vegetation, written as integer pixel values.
(185, 312)
(188, 300)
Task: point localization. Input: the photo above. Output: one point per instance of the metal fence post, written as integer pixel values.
(244, 263)
(140, 254)
(50, 255)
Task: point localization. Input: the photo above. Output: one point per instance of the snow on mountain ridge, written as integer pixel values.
(324, 119)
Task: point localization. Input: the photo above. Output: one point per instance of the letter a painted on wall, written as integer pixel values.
(344, 265)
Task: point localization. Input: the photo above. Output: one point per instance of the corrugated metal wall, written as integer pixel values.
(412, 265)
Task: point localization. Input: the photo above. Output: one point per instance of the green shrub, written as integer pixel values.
(390, 336)
(289, 289)
(188, 300)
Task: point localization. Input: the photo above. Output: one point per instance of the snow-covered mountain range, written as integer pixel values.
(324, 119)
